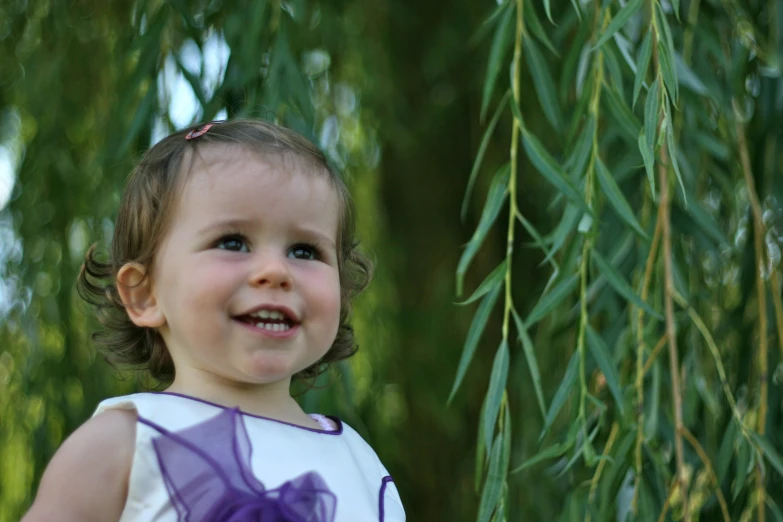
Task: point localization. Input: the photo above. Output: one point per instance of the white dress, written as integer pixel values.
(197, 461)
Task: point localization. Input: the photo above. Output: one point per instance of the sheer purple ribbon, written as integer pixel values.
(208, 475)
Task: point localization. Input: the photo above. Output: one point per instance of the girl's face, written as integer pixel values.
(246, 277)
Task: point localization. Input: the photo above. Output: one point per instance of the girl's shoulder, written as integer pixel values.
(97, 457)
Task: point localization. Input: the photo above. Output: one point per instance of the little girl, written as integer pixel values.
(232, 270)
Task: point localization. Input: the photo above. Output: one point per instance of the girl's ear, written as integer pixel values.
(138, 296)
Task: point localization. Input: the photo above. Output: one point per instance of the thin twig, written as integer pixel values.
(713, 347)
(640, 369)
(597, 476)
(598, 67)
(710, 471)
(761, 294)
(650, 360)
(773, 279)
(671, 327)
(665, 508)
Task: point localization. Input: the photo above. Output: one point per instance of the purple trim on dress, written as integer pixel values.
(337, 421)
(381, 503)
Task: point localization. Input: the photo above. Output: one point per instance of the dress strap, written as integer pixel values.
(326, 423)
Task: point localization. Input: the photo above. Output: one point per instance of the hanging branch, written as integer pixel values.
(671, 328)
(761, 296)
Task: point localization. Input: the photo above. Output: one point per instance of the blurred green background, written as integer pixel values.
(399, 93)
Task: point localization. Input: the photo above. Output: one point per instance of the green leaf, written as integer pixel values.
(497, 385)
(605, 363)
(500, 44)
(621, 113)
(567, 224)
(676, 5)
(585, 449)
(642, 63)
(562, 393)
(555, 450)
(493, 486)
(687, 77)
(673, 153)
(542, 81)
(649, 160)
(496, 195)
(769, 452)
(480, 153)
(474, 334)
(668, 72)
(481, 455)
(506, 457)
(653, 403)
(743, 467)
(616, 198)
(619, 20)
(620, 285)
(578, 160)
(488, 23)
(613, 68)
(726, 452)
(775, 509)
(194, 82)
(532, 21)
(614, 474)
(652, 109)
(575, 5)
(548, 167)
(495, 278)
(550, 300)
(142, 116)
(548, 10)
(538, 240)
(532, 363)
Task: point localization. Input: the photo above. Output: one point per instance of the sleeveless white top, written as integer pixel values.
(254, 460)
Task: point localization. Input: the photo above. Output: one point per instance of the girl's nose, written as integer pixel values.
(271, 272)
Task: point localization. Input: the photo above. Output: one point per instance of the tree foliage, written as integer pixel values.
(614, 167)
(656, 125)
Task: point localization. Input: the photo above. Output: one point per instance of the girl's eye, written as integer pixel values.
(232, 243)
(303, 252)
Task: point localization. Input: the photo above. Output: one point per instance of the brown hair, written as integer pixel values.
(142, 218)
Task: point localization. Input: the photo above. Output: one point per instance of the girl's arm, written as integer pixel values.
(87, 479)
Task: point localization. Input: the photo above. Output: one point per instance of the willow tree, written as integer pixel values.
(656, 126)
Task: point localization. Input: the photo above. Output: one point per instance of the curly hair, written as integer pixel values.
(142, 220)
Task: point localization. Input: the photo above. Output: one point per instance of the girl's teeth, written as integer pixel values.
(270, 314)
(273, 327)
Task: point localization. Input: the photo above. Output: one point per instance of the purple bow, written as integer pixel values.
(208, 475)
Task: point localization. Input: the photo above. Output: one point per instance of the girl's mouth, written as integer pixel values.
(272, 321)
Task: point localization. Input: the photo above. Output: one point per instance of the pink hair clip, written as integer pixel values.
(192, 135)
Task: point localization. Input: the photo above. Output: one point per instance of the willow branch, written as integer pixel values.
(761, 295)
(710, 471)
(514, 157)
(641, 367)
(776, 301)
(650, 360)
(713, 347)
(598, 67)
(597, 476)
(671, 327)
(668, 502)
